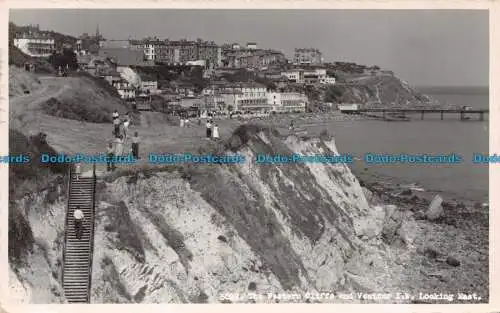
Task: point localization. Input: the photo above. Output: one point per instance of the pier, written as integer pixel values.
(402, 112)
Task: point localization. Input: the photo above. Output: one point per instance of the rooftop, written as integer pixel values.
(124, 56)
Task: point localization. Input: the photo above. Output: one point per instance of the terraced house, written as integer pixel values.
(310, 56)
(35, 44)
(251, 57)
(179, 51)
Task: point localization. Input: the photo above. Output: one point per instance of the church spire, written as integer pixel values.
(97, 34)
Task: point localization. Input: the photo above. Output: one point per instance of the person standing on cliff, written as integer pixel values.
(110, 151)
(116, 124)
(209, 130)
(78, 221)
(126, 124)
(119, 145)
(215, 132)
(135, 145)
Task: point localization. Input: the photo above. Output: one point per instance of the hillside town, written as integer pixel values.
(200, 77)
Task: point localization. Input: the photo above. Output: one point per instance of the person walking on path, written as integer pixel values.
(78, 171)
(209, 130)
(110, 151)
(78, 221)
(135, 145)
(119, 145)
(215, 132)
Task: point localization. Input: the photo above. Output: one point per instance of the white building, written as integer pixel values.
(35, 46)
(242, 97)
(150, 85)
(252, 98)
(328, 80)
(125, 89)
(252, 45)
(296, 76)
(287, 101)
(150, 51)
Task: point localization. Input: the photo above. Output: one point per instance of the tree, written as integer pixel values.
(333, 94)
(66, 58)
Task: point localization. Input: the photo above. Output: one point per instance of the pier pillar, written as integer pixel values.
(383, 114)
(461, 115)
(442, 114)
(481, 116)
(422, 115)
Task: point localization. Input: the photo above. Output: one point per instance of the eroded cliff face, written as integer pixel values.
(36, 278)
(233, 229)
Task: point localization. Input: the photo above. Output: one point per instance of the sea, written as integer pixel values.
(465, 181)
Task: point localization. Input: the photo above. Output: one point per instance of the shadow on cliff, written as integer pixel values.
(305, 205)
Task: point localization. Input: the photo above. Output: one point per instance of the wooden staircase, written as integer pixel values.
(77, 257)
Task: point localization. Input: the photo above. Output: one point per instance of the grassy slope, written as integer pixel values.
(87, 99)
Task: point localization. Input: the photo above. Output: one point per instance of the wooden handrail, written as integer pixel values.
(66, 222)
(91, 256)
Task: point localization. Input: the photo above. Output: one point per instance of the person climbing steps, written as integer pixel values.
(78, 220)
(78, 171)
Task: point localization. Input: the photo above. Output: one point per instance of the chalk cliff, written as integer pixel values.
(205, 234)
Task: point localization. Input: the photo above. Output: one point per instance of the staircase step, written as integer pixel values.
(71, 266)
(83, 279)
(68, 285)
(75, 253)
(73, 262)
(77, 248)
(76, 295)
(81, 275)
(77, 300)
(76, 286)
(76, 273)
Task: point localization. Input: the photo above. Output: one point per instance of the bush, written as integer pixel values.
(76, 109)
(21, 238)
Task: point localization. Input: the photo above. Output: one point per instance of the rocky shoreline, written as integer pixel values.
(435, 244)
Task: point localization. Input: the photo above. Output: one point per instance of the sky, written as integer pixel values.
(423, 47)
